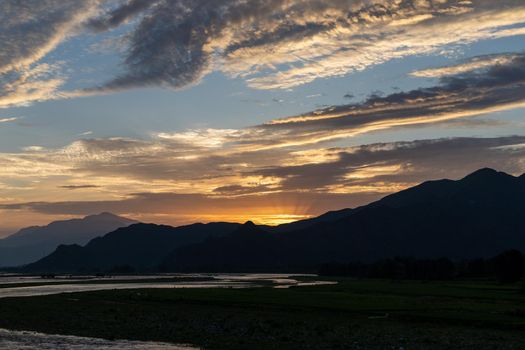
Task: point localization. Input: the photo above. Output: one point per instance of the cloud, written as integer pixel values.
(30, 30)
(339, 177)
(470, 65)
(274, 44)
(202, 160)
(7, 120)
(78, 187)
(214, 160)
(387, 167)
(40, 82)
(119, 15)
(33, 148)
(491, 89)
(284, 43)
(207, 138)
(177, 209)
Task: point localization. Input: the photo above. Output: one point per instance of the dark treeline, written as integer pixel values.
(507, 267)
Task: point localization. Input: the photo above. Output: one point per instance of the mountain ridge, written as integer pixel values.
(476, 216)
(30, 243)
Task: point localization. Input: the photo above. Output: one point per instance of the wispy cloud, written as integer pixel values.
(215, 161)
(86, 133)
(470, 65)
(202, 160)
(176, 43)
(77, 187)
(40, 82)
(7, 120)
(338, 178)
(29, 31)
(276, 44)
(497, 88)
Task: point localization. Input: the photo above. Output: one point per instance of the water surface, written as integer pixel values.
(15, 340)
(22, 286)
(66, 284)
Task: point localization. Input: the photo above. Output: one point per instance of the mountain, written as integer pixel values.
(32, 243)
(296, 225)
(477, 216)
(246, 249)
(141, 246)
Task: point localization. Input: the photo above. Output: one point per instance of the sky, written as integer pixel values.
(181, 111)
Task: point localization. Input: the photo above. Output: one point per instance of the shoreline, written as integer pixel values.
(353, 314)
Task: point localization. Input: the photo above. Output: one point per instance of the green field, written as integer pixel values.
(351, 315)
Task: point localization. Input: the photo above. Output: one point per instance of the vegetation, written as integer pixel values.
(354, 314)
(507, 267)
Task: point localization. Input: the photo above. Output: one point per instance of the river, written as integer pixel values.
(24, 286)
(14, 340)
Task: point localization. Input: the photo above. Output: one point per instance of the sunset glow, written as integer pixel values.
(271, 111)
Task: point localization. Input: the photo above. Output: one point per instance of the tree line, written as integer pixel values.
(507, 267)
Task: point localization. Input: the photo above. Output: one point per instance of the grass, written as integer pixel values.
(370, 314)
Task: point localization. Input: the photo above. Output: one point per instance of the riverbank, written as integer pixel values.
(350, 315)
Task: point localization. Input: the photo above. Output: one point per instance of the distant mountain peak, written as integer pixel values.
(108, 215)
(486, 174)
(30, 244)
(248, 229)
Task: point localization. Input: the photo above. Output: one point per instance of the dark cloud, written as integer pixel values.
(234, 190)
(195, 205)
(77, 187)
(404, 162)
(120, 14)
(177, 42)
(270, 43)
(493, 88)
(356, 176)
(29, 29)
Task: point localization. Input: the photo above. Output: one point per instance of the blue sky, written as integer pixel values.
(107, 105)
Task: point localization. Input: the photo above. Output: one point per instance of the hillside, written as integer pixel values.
(140, 246)
(32, 243)
(477, 216)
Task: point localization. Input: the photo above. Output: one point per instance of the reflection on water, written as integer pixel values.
(14, 340)
(65, 284)
(71, 288)
(306, 284)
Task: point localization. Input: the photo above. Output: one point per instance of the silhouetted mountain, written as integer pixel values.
(477, 216)
(240, 244)
(32, 243)
(297, 225)
(141, 246)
